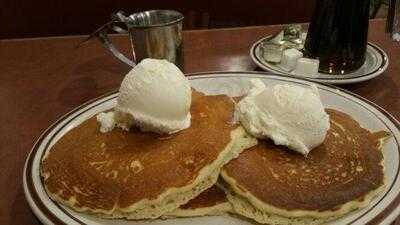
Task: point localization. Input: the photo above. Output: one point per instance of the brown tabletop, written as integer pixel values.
(42, 79)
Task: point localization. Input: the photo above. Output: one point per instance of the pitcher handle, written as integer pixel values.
(102, 35)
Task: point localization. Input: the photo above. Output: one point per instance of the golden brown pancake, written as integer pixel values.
(141, 175)
(208, 198)
(212, 201)
(338, 176)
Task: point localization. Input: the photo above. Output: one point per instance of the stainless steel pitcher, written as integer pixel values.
(153, 34)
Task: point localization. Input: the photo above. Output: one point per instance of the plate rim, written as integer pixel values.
(380, 70)
(383, 217)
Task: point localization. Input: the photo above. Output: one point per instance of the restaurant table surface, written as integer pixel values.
(41, 79)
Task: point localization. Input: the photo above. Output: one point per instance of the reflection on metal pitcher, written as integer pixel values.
(153, 34)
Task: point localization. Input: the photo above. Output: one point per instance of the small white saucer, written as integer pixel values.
(375, 64)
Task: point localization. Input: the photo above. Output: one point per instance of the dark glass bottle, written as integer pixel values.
(338, 34)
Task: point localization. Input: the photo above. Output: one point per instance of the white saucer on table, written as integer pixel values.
(376, 63)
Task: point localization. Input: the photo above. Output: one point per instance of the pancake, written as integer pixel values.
(137, 175)
(274, 185)
(210, 202)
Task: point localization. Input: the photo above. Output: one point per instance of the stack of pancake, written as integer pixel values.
(137, 175)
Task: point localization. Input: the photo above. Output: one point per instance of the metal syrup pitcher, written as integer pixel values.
(152, 34)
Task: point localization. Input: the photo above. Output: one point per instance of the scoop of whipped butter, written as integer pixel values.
(289, 115)
(154, 96)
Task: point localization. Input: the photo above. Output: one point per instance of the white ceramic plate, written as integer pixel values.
(376, 62)
(383, 210)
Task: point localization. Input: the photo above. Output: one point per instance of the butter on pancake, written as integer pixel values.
(137, 175)
(273, 185)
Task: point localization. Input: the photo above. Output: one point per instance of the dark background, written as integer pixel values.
(29, 18)
(36, 18)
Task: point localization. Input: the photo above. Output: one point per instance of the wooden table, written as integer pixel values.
(42, 79)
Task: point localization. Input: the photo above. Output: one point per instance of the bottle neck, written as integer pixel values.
(393, 18)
